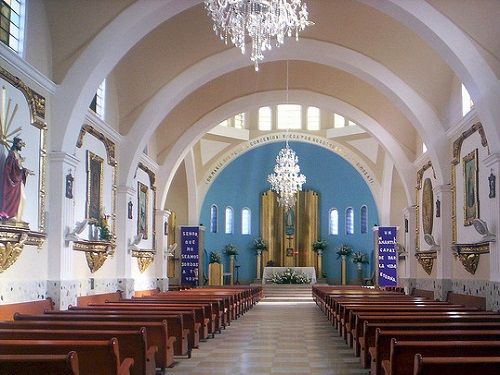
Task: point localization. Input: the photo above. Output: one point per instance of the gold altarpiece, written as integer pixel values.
(290, 236)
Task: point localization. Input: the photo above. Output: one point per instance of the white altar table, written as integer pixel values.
(308, 271)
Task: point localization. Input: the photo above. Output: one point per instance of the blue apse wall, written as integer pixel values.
(241, 182)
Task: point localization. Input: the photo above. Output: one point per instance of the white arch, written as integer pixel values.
(404, 97)
(98, 59)
(182, 146)
(458, 50)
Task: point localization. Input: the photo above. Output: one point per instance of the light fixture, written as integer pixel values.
(266, 22)
(286, 180)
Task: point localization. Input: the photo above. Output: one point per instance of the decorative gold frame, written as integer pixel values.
(469, 254)
(93, 157)
(427, 207)
(144, 258)
(420, 175)
(142, 189)
(36, 104)
(96, 252)
(472, 158)
(152, 186)
(426, 260)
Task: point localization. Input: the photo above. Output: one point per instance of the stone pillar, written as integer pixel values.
(492, 163)
(410, 264)
(443, 237)
(60, 282)
(124, 236)
(161, 247)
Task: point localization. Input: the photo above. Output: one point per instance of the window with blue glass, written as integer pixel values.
(229, 222)
(349, 221)
(333, 224)
(246, 221)
(364, 219)
(213, 219)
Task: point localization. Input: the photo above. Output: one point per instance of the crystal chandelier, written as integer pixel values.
(266, 22)
(286, 180)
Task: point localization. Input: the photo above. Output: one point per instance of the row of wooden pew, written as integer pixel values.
(106, 334)
(398, 334)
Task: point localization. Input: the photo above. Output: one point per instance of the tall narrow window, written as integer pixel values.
(466, 101)
(246, 221)
(11, 24)
(224, 123)
(364, 219)
(349, 221)
(213, 219)
(239, 121)
(313, 118)
(338, 121)
(229, 224)
(289, 116)
(424, 148)
(97, 104)
(265, 118)
(334, 222)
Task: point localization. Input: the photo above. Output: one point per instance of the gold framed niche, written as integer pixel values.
(471, 188)
(142, 209)
(427, 207)
(418, 204)
(95, 187)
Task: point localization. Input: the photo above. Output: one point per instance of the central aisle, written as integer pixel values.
(283, 334)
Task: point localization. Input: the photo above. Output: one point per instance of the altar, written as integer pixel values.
(270, 271)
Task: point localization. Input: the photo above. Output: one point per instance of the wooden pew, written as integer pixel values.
(29, 364)
(94, 357)
(132, 344)
(157, 332)
(7, 311)
(99, 298)
(381, 351)
(174, 321)
(456, 365)
(403, 353)
(367, 341)
(466, 300)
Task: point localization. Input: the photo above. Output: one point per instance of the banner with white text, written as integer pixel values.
(387, 257)
(190, 256)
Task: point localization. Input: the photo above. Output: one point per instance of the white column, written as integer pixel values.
(443, 232)
(60, 216)
(386, 191)
(124, 195)
(410, 213)
(492, 163)
(161, 243)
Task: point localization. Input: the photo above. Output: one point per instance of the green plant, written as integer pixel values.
(214, 257)
(359, 257)
(230, 249)
(260, 244)
(104, 232)
(344, 250)
(320, 245)
(289, 276)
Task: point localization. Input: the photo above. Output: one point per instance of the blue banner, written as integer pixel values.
(387, 257)
(190, 255)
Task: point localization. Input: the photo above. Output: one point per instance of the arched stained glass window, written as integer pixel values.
(333, 225)
(364, 219)
(213, 219)
(349, 221)
(246, 221)
(229, 223)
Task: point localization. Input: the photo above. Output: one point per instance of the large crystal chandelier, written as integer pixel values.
(286, 180)
(266, 22)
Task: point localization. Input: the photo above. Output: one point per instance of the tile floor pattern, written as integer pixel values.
(278, 336)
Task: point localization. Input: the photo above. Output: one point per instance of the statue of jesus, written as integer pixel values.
(14, 178)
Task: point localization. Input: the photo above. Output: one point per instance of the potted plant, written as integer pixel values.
(359, 258)
(319, 246)
(343, 251)
(259, 245)
(232, 251)
(215, 269)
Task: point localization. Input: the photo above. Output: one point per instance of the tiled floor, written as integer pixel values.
(278, 336)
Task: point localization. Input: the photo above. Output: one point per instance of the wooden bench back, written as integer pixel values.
(456, 365)
(99, 298)
(466, 300)
(31, 307)
(29, 364)
(422, 293)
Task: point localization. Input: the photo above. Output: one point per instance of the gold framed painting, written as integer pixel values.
(471, 189)
(142, 210)
(95, 186)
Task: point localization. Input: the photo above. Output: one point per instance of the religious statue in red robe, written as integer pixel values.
(13, 181)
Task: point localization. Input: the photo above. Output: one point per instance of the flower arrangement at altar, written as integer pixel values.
(230, 249)
(104, 231)
(343, 250)
(359, 257)
(320, 246)
(214, 257)
(289, 276)
(259, 244)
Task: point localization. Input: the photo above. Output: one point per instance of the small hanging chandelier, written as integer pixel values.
(266, 22)
(286, 180)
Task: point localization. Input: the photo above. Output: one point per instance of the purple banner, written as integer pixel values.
(387, 257)
(190, 255)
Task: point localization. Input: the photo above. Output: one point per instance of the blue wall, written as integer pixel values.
(241, 182)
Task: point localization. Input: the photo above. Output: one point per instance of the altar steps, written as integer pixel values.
(287, 292)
